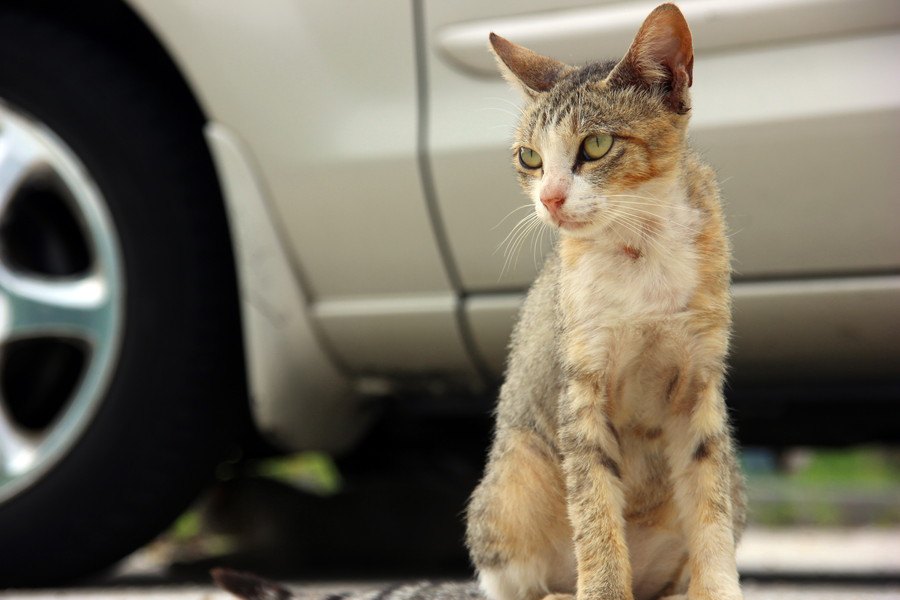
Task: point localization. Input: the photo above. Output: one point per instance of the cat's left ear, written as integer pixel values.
(526, 70)
(662, 54)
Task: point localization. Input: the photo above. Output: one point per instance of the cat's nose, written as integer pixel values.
(553, 202)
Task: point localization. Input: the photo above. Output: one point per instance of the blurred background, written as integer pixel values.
(259, 265)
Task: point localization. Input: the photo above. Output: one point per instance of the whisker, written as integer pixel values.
(682, 225)
(521, 241)
(508, 239)
(538, 244)
(624, 221)
(507, 262)
(640, 222)
(619, 235)
(651, 204)
(534, 234)
(517, 209)
(634, 225)
(510, 102)
(516, 236)
(521, 223)
(734, 233)
(654, 201)
(497, 108)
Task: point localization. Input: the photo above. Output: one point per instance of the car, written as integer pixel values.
(215, 213)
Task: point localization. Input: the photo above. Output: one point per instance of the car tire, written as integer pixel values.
(156, 423)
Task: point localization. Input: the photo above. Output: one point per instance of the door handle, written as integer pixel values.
(587, 34)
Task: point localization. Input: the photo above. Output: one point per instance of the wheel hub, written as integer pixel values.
(61, 299)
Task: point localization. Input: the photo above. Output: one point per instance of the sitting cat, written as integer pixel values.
(612, 474)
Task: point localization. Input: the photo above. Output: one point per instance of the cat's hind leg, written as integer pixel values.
(518, 530)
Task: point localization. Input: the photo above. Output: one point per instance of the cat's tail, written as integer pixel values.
(248, 586)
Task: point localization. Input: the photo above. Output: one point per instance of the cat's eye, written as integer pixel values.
(529, 158)
(596, 146)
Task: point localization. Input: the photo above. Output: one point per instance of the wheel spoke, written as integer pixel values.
(17, 449)
(35, 304)
(40, 307)
(20, 156)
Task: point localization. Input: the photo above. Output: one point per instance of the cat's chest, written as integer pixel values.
(609, 284)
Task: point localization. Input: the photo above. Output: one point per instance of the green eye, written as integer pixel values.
(529, 158)
(596, 146)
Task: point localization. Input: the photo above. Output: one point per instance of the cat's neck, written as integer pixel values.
(645, 264)
(651, 223)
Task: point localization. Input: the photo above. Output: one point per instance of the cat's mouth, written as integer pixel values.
(569, 224)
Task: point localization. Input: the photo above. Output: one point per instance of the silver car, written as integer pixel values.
(215, 212)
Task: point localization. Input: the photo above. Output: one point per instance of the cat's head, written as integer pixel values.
(598, 143)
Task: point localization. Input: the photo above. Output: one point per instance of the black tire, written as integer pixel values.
(172, 406)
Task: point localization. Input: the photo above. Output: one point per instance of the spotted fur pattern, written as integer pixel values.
(612, 475)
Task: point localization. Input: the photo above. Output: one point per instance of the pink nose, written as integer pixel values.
(553, 203)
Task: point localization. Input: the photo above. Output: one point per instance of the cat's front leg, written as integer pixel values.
(701, 455)
(591, 461)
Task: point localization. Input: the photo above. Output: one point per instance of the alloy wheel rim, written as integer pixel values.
(61, 299)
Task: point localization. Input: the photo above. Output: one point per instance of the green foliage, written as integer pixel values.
(187, 526)
(860, 468)
(857, 486)
(311, 472)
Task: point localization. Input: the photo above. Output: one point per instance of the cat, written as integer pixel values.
(612, 474)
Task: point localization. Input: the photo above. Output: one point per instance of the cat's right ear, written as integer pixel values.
(661, 56)
(527, 71)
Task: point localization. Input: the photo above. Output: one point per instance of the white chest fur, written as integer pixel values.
(611, 281)
(624, 309)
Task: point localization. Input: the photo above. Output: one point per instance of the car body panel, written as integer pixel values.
(337, 158)
(401, 335)
(289, 373)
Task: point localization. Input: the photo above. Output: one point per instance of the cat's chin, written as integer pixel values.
(571, 225)
(579, 229)
(568, 224)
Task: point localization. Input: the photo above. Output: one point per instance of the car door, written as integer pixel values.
(796, 106)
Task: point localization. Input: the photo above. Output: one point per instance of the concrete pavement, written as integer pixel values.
(752, 591)
(865, 560)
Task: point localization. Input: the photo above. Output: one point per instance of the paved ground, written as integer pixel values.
(859, 551)
(752, 591)
(794, 564)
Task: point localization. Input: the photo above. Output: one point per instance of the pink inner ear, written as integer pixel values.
(662, 52)
(675, 41)
(668, 41)
(676, 55)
